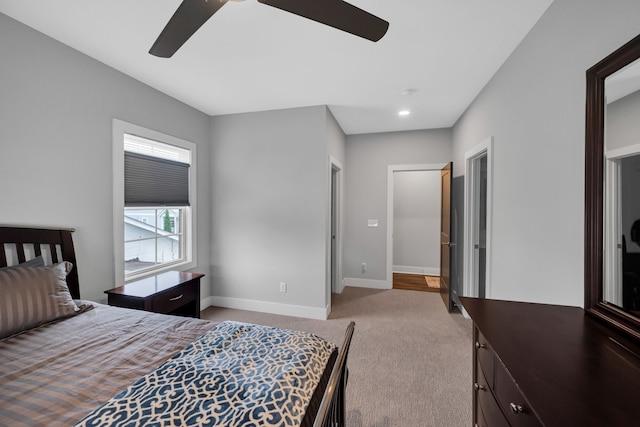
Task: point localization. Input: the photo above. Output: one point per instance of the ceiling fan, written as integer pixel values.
(192, 14)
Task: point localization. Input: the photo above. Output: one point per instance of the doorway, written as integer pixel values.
(621, 239)
(402, 264)
(335, 238)
(477, 213)
(416, 230)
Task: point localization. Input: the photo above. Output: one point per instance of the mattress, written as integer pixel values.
(80, 367)
(58, 373)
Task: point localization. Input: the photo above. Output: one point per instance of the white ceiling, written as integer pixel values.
(252, 57)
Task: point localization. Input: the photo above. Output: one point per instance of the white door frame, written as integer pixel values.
(471, 202)
(334, 164)
(390, 170)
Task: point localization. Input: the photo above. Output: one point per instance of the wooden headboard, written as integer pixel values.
(55, 245)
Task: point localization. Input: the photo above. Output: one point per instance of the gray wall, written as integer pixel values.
(368, 157)
(336, 139)
(535, 107)
(56, 112)
(336, 147)
(416, 222)
(269, 220)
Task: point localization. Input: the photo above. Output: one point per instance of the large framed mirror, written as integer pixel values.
(612, 190)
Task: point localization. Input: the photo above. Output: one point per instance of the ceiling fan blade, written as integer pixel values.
(336, 13)
(189, 16)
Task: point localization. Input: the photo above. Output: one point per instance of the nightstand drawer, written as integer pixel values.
(174, 298)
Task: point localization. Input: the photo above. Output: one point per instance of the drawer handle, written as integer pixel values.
(516, 409)
(176, 298)
(478, 387)
(479, 346)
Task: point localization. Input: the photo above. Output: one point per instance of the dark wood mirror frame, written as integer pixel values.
(594, 191)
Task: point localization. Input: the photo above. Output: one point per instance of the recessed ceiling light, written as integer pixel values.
(404, 112)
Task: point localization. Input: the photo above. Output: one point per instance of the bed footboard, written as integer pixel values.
(332, 408)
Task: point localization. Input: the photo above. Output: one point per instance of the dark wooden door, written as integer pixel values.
(445, 236)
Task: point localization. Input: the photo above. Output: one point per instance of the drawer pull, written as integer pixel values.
(176, 298)
(478, 387)
(479, 346)
(516, 409)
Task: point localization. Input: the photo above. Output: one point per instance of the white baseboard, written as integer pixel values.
(429, 271)
(340, 287)
(205, 302)
(271, 307)
(367, 283)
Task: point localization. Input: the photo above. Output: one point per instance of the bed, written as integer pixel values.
(65, 361)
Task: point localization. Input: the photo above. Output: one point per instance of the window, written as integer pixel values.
(154, 183)
(152, 238)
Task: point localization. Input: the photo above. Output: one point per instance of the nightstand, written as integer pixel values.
(173, 292)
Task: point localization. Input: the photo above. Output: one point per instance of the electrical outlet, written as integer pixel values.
(283, 287)
(364, 267)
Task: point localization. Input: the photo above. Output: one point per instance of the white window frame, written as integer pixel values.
(120, 128)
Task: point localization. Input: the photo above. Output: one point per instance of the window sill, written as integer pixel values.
(184, 265)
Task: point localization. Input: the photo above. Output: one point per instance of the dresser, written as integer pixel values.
(546, 365)
(171, 292)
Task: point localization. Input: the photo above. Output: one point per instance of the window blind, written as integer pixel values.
(152, 181)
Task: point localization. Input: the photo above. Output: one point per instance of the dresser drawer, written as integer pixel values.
(488, 413)
(511, 400)
(174, 298)
(486, 357)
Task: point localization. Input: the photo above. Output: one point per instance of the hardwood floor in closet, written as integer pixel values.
(416, 282)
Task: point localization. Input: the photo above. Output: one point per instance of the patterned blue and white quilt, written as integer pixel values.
(237, 374)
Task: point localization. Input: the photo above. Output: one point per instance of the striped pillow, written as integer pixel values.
(35, 262)
(32, 296)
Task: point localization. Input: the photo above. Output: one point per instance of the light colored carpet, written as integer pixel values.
(409, 363)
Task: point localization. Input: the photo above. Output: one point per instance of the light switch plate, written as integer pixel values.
(372, 223)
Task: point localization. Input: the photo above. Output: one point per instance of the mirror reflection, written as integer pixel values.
(622, 190)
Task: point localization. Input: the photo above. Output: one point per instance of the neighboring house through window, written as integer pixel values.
(154, 193)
